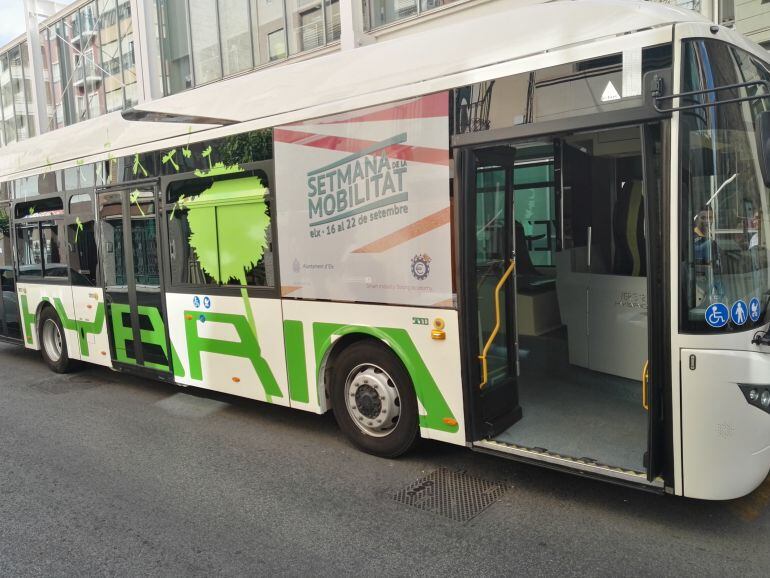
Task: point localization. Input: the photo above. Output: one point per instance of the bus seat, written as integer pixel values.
(537, 306)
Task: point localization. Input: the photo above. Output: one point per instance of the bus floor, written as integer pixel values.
(574, 411)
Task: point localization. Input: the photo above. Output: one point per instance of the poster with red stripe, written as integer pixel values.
(363, 205)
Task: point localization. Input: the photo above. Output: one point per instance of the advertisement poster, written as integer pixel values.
(363, 205)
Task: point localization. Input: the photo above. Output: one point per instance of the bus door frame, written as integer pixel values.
(659, 454)
(493, 409)
(140, 367)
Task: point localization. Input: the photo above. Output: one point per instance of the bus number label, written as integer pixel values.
(420, 321)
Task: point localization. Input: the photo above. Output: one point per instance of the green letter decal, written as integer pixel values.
(247, 347)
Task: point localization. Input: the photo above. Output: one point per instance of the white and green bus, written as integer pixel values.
(545, 242)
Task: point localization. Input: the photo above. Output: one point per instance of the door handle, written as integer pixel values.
(645, 384)
(588, 257)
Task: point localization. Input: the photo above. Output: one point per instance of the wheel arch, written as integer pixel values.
(331, 348)
(42, 306)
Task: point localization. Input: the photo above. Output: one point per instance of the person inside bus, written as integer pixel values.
(703, 246)
(706, 257)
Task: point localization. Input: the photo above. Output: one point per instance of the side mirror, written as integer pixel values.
(762, 128)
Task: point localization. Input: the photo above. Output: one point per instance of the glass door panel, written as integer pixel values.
(130, 261)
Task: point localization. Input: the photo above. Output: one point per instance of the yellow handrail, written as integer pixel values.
(645, 377)
(495, 331)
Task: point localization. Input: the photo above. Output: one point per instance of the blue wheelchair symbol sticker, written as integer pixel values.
(717, 315)
(754, 309)
(739, 312)
(207, 302)
(196, 301)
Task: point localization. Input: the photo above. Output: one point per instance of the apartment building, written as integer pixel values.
(101, 56)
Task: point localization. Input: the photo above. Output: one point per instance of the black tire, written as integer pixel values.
(372, 368)
(49, 321)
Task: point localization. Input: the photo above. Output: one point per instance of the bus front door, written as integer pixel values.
(132, 281)
(489, 280)
(10, 324)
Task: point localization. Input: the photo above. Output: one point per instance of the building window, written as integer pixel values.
(237, 53)
(276, 43)
(207, 62)
(310, 33)
(382, 12)
(175, 44)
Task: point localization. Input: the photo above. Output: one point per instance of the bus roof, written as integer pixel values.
(481, 43)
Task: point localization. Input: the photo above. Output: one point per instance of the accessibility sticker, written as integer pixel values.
(717, 315)
(196, 301)
(739, 312)
(754, 309)
(207, 302)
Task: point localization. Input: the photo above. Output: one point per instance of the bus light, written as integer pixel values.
(438, 332)
(757, 395)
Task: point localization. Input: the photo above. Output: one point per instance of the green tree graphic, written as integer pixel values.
(229, 223)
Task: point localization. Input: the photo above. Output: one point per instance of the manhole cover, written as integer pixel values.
(455, 495)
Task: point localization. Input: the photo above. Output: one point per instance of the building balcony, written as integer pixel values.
(89, 78)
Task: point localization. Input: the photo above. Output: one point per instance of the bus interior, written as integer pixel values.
(577, 326)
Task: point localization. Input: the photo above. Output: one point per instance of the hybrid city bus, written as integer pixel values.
(545, 242)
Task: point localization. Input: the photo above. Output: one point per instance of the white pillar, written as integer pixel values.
(37, 82)
(352, 33)
(147, 50)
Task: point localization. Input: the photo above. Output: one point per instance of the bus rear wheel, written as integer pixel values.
(373, 399)
(53, 345)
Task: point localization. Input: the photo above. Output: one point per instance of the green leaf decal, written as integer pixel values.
(79, 228)
(207, 155)
(228, 231)
(138, 166)
(169, 158)
(242, 241)
(134, 198)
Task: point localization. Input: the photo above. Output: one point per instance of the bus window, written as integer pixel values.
(53, 263)
(81, 240)
(724, 204)
(220, 232)
(28, 248)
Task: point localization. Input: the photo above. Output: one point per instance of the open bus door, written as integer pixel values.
(130, 262)
(10, 323)
(489, 293)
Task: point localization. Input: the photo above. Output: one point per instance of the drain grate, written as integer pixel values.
(455, 495)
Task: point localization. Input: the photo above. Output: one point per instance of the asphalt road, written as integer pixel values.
(105, 474)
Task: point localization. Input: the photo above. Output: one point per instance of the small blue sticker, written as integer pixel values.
(202, 318)
(739, 312)
(196, 301)
(717, 315)
(754, 309)
(207, 302)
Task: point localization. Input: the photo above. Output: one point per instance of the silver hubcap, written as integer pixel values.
(372, 400)
(52, 340)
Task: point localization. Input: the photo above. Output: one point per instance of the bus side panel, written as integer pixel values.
(91, 318)
(725, 440)
(214, 345)
(312, 328)
(31, 295)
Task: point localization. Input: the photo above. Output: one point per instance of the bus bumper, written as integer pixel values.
(725, 438)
